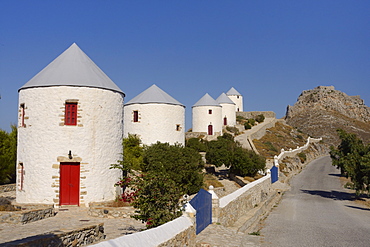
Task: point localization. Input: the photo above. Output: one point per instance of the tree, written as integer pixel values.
(157, 199)
(352, 157)
(197, 144)
(226, 151)
(182, 164)
(8, 155)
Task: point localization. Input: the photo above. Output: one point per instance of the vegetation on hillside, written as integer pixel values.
(8, 155)
(226, 151)
(352, 157)
(281, 136)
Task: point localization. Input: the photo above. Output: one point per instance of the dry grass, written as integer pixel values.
(210, 179)
(278, 137)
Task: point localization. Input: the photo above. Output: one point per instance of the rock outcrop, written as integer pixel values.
(322, 110)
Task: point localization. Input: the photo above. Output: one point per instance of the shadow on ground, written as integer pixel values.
(335, 195)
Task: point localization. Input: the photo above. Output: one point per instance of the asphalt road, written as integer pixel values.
(317, 211)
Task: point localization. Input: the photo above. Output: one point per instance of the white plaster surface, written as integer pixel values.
(230, 197)
(238, 101)
(151, 237)
(228, 111)
(97, 141)
(157, 122)
(201, 118)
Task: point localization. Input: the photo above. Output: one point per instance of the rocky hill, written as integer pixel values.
(322, 110)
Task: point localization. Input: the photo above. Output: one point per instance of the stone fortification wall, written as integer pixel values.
(253, 114)
(7, 188)
(79, 237)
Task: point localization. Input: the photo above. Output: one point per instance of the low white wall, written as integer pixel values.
(294, 152)
(224, 201)
(158, 236)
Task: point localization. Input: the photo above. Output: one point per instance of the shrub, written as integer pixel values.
(240, 119)
(157, 199)
(260, 118)
(197, 144)
(181, 164)
(270, 146)
(252, 121)
(247, 126)
(302, 156)
(234, 130)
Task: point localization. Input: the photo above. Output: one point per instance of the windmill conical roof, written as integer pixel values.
(232, 91)
(223, 99)
(72, 68)
(206, 100)
(153, 95)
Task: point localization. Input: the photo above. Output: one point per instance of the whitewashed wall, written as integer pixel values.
(238, 100)
(157, 122)
(96, 142)
(201, 118)
(229, 110)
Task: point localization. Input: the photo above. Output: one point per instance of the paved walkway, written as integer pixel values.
(67, 218)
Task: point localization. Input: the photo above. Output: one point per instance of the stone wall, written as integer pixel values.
(7, 188)
(240, 202)
(102, 211)
(79, 237)
(253, 114)
(26, 216)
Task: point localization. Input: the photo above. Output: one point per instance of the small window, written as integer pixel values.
(178, 127)
(136, 116)
(22, 106)
(21, 167)
(209, 111)
(237, 96)
(70, 114)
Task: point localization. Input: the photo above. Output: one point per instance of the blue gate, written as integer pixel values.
(202, 202)
(274, 174)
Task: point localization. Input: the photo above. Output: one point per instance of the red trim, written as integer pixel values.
(70, 114)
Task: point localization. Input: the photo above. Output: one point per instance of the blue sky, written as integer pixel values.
(270, 51)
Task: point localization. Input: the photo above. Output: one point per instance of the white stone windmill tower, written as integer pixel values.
(70, 131)
(155, 116)
(228, 110)
(207, 115)
(236, 97)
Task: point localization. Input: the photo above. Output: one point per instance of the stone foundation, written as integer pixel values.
(99, 210)
(79, 237)
(27, 214)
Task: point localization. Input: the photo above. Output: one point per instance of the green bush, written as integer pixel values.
(252, 121)
(240, 119)
(230, 153)
(234, 130)
(302, 156)
(247, 126)
(181, 164)
(8, 155)
(260, 118)
(196, 144)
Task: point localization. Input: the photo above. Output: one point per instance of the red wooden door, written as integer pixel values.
(210, 130)
(225, 120)
(69, 191)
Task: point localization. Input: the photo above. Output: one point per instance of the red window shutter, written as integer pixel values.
(136, 116)
(209, 111)
(70, 114)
